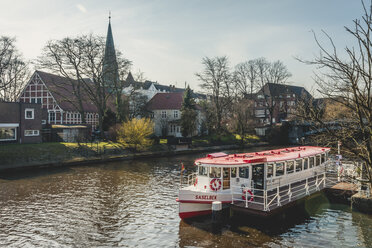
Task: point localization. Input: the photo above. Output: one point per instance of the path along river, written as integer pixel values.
(132, 204)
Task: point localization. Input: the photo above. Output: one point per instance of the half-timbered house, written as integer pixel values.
(56, 95)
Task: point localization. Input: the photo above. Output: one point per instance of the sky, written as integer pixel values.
(167, 39)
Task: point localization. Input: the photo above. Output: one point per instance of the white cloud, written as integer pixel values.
(81, 8)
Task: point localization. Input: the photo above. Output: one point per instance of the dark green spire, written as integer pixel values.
(110, 65)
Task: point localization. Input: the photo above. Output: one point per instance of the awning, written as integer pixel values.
(69, 126)
(9, 124)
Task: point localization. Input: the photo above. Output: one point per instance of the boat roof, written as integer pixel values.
(277, 155)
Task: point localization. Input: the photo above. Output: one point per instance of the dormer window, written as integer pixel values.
(29, 114)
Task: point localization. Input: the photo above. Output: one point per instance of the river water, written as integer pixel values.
(132, 204)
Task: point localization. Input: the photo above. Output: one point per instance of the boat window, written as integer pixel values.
(290, 167)
(233, 172)
(279, 170)
(317, 160)
(243, 172)
(215, 172)
(306, 163)
(298, 164)
(203, 171)
(311, 159)
(270, 170)
(323, 158)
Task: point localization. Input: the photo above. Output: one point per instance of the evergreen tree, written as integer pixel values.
(188, 114)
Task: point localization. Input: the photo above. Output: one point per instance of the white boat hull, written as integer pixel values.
(195, 203)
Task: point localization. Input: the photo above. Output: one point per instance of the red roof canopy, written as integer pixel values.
(277, 155)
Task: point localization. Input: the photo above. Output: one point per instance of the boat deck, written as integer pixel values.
(266, 203)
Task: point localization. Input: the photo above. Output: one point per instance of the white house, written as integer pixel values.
(165, 110)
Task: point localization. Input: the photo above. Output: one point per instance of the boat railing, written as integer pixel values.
(265, 200)
(191, 179)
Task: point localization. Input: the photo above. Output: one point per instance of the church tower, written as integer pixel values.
(110, 65)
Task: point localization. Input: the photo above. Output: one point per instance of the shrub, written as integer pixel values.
(135, 134)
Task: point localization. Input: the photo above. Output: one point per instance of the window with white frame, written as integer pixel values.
(29, 114)
(32, 132)
(163, 114)
(8, 133)
(178, 129)
(175, 113)
(52, 116)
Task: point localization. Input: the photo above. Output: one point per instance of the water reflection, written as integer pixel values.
(130, 204)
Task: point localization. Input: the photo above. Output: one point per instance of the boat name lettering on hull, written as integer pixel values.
(205, 197)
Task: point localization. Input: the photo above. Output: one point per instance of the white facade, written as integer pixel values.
(167, 122)
(149, 93)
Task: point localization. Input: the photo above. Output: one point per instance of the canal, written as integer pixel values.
(132, 204)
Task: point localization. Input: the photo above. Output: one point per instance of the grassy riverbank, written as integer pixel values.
(23, 155)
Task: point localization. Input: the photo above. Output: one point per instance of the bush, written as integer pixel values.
(135, 134)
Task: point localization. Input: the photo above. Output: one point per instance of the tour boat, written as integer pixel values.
(248, 177)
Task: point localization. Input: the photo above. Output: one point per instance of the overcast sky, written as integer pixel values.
(167, 39)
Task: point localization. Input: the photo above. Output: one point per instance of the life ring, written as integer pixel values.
(249, 193)
(215, 184)
(196, 182)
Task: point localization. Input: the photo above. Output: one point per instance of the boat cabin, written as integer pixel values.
(261, 170)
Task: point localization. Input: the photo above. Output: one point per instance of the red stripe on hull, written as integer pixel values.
(202, 202)
(186, 215)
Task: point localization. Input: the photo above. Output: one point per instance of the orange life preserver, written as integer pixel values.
(196, 181)
(215, 184)
(249, 193)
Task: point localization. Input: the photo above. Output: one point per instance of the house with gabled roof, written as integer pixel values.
(55, 94)
(150, 89)
(277, 102)
(165, 109)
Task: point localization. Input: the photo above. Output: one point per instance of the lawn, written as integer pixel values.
(51, 152)
(227, 139)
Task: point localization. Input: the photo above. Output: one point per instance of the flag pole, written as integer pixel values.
(182, 168)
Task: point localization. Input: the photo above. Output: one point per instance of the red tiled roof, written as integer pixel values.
(62, 91)
(166, 101)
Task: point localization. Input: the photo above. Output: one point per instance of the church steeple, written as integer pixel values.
(110, 65)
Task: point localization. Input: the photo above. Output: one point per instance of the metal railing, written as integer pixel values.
(265, 200)
(191, 179)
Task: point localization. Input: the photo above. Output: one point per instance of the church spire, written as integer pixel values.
(110, 65)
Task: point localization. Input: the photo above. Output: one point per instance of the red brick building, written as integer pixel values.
(20, 122)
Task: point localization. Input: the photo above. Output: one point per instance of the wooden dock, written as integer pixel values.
(341, 192)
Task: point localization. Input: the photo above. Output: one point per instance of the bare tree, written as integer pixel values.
(121, 103)
(243, 120)
(14, 71)
(64, 57)
(216, 80)
(139, 76)
(80, 60)
(271, 73)
(245, 78)
(345, 79)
